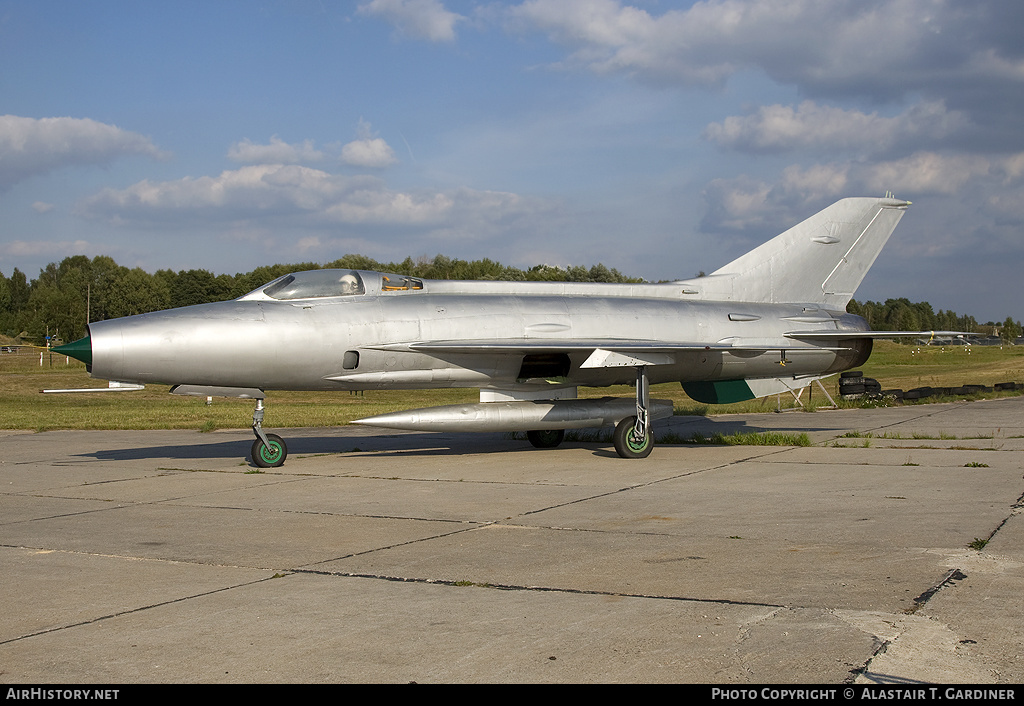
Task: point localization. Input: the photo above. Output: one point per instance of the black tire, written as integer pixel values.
(545, 438)
(851, 374)
(271, 457)
(851, 386)
(628, 447)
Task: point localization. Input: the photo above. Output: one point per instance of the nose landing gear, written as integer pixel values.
(269, 450)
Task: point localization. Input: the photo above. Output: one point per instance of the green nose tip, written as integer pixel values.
(79, 350)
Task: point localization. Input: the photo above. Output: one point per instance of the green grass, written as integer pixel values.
(767, 438)
(906, 367)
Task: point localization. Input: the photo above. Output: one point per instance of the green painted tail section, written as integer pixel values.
(719, 392)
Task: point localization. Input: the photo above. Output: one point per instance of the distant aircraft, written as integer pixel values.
(771, 320)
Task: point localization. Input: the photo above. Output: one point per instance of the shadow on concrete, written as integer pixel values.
(344, 440)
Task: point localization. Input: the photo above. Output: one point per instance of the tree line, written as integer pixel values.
(904, 315)
(67, 295)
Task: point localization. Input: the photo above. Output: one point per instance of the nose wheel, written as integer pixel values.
(270, 453)
(269, 450)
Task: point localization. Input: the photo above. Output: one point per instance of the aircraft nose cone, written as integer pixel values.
(79, 350)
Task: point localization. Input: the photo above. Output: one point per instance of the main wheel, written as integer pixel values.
(546, 438)
(269, 456)
(627, 445)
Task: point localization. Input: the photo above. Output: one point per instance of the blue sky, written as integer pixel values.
(660, 138)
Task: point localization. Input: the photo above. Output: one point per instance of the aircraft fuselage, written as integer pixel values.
(367, 341)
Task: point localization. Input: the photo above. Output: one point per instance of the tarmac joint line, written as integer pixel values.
(141, 609)
(540, 589)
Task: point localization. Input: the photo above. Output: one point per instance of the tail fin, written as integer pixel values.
(821, 260)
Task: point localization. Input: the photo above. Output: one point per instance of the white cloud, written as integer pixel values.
(310, 244)
(367, 150)
(928, 173)
(748, 204)
(44, 248)
(299, 196)
(809, 126)
(42, 207)
(30, 147)
(277, 152)
(737, 204)
(745, 203)
(421, 19)
(878, 48)
(252, 190)
(608, 36)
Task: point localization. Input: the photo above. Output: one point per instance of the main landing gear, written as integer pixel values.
(269, 450)
(633, 437)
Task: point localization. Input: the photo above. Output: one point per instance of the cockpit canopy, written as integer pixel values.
(316, 283)
(320, 284)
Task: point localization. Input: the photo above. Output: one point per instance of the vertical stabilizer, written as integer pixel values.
(821, 260)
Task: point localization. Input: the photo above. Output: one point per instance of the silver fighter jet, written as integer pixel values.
(770, 321)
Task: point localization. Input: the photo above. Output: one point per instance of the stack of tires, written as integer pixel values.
(853, 385)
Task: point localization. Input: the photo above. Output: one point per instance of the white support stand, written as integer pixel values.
(798, 393)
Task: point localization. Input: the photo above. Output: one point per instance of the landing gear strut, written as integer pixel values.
(269, 450)
(633, 437)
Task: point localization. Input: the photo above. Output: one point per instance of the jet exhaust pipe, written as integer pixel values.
(523, 415)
